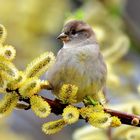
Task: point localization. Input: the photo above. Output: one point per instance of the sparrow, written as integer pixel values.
(79, 62)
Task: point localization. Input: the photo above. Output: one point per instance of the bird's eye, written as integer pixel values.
(73, 32)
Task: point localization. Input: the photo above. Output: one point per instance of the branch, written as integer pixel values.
(128, 119)
(56, 105)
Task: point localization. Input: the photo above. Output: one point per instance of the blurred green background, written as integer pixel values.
(33, 26)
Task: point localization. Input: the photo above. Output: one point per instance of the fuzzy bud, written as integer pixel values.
(8, 67)
(68, 93)
(39, 65)
(115, 121)
(53, 127)
(8, 52)
(30, 87)
(70, 114)
(40, 107)
(3, 34)
(8, 103)
(100, 120)
(85, 112)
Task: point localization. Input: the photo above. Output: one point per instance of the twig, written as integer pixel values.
(56, 105)
(125, 118)
(57, 108)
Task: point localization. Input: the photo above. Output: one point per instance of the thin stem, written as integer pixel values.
(124, 117)
(57, 108)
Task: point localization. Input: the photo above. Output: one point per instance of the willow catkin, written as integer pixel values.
(70, 114)
(8, 103)
(39, 65)
(53, 127)
(8, 67)
(3, 34)
(68, 93)
(8, 52)
(30, 87)
(40, 107)
(100, 120)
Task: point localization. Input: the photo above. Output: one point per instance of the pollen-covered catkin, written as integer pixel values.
(40, 107)
(3, 34)
(100, 120)
(70, 114)
(7, 52)
(16, 82)
(88, 110)
(68, 93)
(30, 87)
(8, 103)
(8, 67)
(53, 127)
(115, 121)
(2, 83)
(39, 65)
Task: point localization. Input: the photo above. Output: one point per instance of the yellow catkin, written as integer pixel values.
(30, 87)
(100, 120)
(39, 65)
(8, 52)
(8, 103)
(3, 81)
(8, 67)
(115, 121)
(53, 127)
(16, 82)
(2, 89)
(68, 93)
(40, 107)
(88, 110)
(70, 114)
(6, 77)
(3, 33)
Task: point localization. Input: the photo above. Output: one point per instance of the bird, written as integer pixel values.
(79, 62)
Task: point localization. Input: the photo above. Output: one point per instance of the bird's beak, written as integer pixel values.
(63, 37)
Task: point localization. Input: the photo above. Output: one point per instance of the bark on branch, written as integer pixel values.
(128, 119)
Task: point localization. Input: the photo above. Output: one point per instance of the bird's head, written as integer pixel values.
(76, 31)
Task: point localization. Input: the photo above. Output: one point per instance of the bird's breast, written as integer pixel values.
(80, 67)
